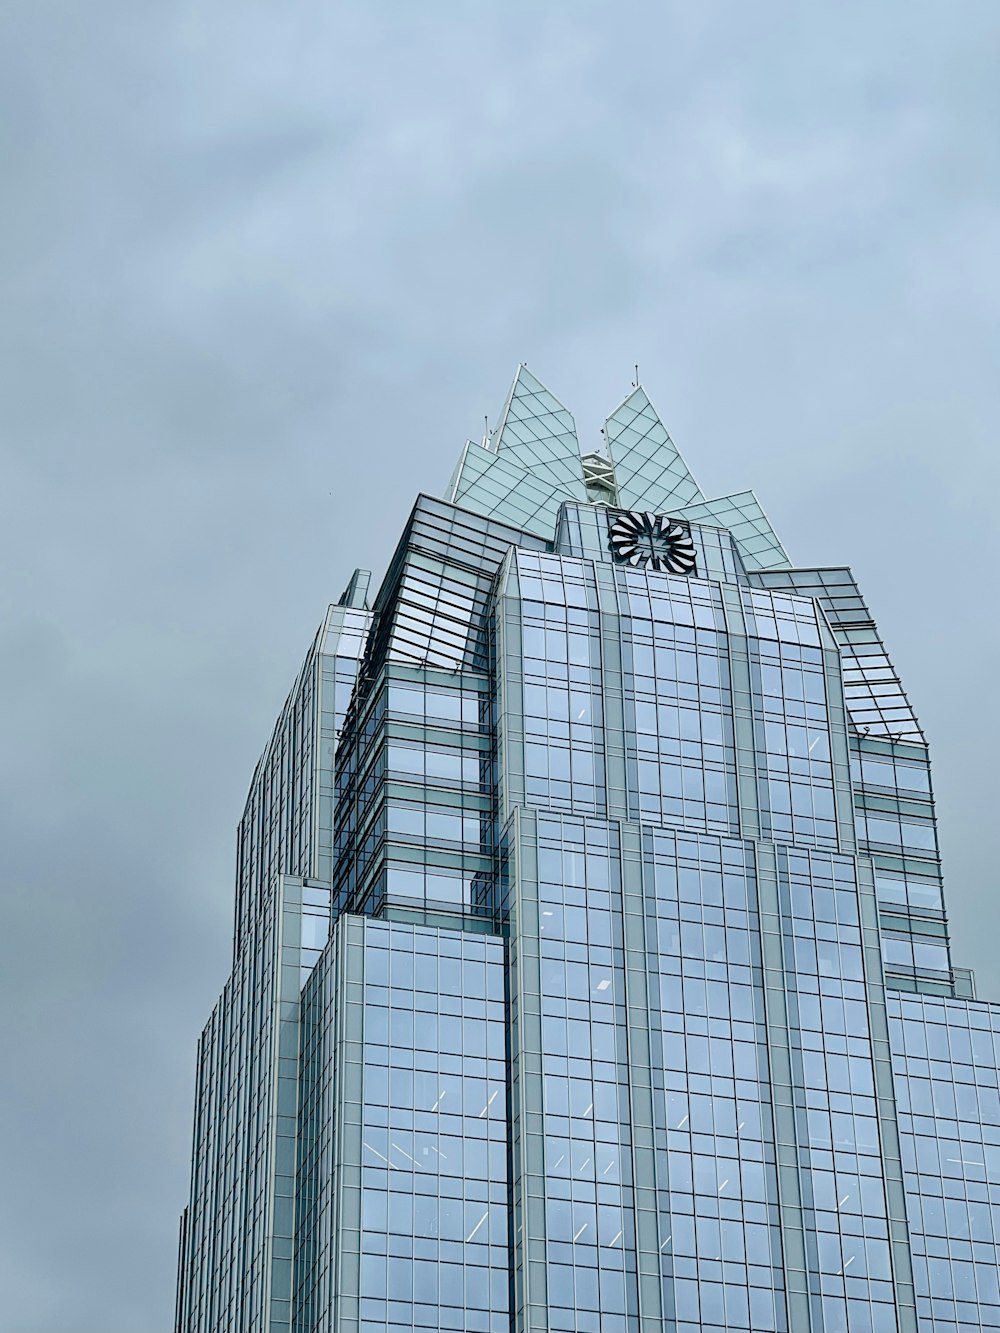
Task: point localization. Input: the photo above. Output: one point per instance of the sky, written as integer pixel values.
(263, 269)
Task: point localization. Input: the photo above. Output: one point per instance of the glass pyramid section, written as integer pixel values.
(650, 472)
(530, 465)
(742, 515)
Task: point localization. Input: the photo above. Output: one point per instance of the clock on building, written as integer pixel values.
(651, 541)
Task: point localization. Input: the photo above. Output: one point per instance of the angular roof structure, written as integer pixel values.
(530, 463)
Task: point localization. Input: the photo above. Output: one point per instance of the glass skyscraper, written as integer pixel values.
(591, 969)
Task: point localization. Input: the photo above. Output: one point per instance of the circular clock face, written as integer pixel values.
(651, 541)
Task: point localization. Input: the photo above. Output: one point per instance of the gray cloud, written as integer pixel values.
(262, 272)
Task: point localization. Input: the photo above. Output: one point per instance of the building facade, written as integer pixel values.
(591, 967)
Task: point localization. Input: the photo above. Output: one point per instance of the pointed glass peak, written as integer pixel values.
(529, 397)
(650, 472)
(535, 431)
(532, 416)
(531, 463)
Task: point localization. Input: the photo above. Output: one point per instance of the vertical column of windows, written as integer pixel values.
(340, 660)
(843, 1174)
(434, 1242)
(314, 926)
(358, 773)
(440, 831)
(231, 1201)
(793, 730)
(679, 735)
(895, 821)
(589, 1217)
(414, 799)
(561, 658)
(720, 1248)
(312, 1291)
(946, 1056)
(280, 1161)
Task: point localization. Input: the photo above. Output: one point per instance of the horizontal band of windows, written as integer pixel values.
(911, 891)
(443, 765)
(434, 705)
(885, 835)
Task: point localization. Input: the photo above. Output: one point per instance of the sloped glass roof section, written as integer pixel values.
(875, 698)
(742, 515)
(491, 485)
(529, 465)
(650, 472)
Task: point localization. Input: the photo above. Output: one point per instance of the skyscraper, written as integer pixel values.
(591, 969)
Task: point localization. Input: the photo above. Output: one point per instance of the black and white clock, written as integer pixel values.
(651, 541)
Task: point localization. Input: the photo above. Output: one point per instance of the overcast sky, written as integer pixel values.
(263, 268)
